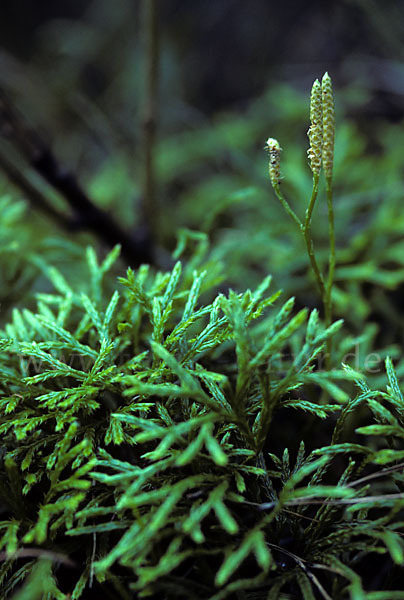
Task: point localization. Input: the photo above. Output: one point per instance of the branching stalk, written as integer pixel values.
(309, 241)
(305, 230)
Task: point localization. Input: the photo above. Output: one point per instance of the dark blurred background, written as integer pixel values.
(75, 69)
(215, 55)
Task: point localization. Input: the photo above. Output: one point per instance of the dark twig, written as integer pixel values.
(15, 176)
(87, 215)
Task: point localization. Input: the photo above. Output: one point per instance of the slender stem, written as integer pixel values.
(312, 202)
(286, 206)
(149, 114)
(308, 239)
(313, 263)
(331, 234)
(331, 263)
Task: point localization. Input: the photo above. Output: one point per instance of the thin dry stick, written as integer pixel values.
(38, 552)
(377, 474)
(340, 501)
(151, 56)
(303, 565)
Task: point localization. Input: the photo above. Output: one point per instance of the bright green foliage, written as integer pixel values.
(139, 434)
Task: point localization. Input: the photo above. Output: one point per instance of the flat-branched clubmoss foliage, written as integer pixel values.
(137, 457)
(153, 445)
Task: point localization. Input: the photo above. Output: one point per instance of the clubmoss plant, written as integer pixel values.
(320, 153)
(162, 440)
